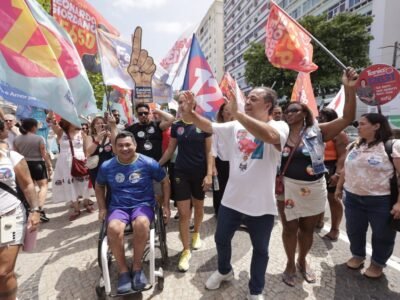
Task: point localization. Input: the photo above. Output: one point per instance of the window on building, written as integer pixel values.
(336, 9)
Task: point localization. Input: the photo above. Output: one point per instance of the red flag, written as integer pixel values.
(227, 83)
(287, 45)
(303, 92)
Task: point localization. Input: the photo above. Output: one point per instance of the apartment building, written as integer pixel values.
(210, 36)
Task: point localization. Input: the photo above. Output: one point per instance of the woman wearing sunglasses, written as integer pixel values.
(305, 186)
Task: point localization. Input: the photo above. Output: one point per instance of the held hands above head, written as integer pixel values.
(349, 77)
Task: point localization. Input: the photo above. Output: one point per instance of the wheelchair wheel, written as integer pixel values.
(160, 283)
(101, 292)
(162, 236)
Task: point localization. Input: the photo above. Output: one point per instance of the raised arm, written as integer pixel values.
(54, 125)
(189, 115)
(166, 119)
(333, 128)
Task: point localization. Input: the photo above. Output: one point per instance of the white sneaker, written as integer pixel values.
(255, 297)
(216, 278)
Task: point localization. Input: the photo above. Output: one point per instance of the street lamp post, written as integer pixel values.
(396, 47)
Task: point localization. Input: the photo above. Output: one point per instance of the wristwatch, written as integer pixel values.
(34, 209)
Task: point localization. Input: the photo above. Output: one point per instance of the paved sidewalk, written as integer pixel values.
(64, 266)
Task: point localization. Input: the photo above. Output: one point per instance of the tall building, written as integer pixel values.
(210, 36)
(244, 22)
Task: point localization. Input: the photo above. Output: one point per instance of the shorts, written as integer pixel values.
(129, 215)
(20, 229)
(38, 170)
(331, 166)
(187, 186)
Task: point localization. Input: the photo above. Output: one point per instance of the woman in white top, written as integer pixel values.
(367, 201)
(65, 187)
(13, 167)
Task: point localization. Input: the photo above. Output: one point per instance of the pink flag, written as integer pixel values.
(337, 104)
(228, 82)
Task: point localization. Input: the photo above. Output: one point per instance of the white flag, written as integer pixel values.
(337, 104)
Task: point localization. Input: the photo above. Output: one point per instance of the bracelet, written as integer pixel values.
(34, 209)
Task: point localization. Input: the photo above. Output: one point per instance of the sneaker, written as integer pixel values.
(255, 297)
(43, 217)
(183, 265)
(124, 283)
(139, 280)
(216, 278)
(196, 241)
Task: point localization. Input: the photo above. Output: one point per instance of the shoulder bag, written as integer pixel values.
(78, 167)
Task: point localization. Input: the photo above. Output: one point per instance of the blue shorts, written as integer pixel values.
(129, 215)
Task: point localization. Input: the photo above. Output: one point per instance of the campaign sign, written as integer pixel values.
(378, 84)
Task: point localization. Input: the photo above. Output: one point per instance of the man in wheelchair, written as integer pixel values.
(129, 177)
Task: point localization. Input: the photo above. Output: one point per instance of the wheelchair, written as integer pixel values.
(157, 239)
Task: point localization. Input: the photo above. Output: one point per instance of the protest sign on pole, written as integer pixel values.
(80, 20)
(115, 55)
(39, 65)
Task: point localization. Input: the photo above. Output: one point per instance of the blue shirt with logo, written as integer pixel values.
(131, 185)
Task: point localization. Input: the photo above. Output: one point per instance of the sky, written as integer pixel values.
(163, 21)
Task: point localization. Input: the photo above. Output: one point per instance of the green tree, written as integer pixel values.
(346, 36)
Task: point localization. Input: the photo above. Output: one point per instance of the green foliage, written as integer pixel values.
(46, 4)
(346, 36)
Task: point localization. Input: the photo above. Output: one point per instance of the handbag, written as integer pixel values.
(78, 166)
(279, 186)
(93, 161)
(394, 191)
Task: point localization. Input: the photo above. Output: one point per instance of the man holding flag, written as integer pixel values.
(253, 156)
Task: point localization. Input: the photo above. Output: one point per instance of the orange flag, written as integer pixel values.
(303, 92)
(287, 45)
(227, 83)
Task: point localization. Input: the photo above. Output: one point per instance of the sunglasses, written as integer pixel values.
(292, 110)
(143, 113)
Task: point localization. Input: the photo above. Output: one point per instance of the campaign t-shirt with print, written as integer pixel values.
(131, 185)
(368, 170)
(253, 166)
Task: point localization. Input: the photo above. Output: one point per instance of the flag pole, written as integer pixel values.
(338, 62)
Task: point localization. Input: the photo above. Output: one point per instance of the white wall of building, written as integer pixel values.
(211, 39)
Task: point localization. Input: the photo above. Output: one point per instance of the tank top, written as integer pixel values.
(330, 151)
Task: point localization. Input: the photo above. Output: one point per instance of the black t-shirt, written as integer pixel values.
(191, 148)
(148, 138)
(300, 167)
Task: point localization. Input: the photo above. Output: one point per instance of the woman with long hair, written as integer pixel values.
(304, 182)
(33, 148)
(335, 154)
(65, 187)
(193, 176)
(13, 170)
(366, 184)
(98, 146)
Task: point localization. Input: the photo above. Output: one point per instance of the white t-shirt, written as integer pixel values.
(7, 162)
(253, 165)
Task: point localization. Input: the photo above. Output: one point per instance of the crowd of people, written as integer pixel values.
(242, 157)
